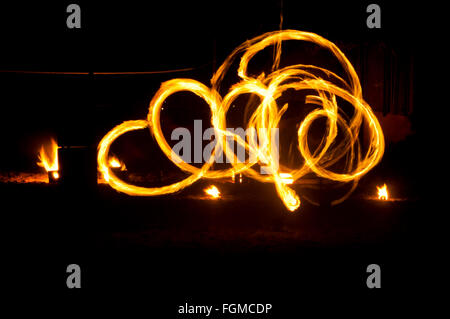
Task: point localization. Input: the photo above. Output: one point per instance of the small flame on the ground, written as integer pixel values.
(48, 158)
(286, 178)
(114, 162)
(383, 192)
(213, 191)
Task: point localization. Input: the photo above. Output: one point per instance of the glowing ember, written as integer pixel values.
(213, 191)
(48, 158)
(382, 192)
(114, 162)
(328, 88)
(21, 178)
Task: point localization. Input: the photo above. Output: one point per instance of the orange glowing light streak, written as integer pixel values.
(213, 191)
(267, 117)
(286, 178)
(383, 192)
(48, 157)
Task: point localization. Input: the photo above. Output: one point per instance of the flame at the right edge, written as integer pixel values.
(383, 192)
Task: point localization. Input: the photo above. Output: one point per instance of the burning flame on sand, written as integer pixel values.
(267, 117)
(383, 192)
(212, 191)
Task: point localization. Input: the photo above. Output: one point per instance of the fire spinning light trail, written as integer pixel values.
(267, 117)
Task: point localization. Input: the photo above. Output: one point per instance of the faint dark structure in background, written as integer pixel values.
(78, 168)
(387, 79)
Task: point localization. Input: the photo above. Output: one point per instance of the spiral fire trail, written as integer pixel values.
(265, 118)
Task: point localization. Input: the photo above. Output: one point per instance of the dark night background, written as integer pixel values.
(43, 235)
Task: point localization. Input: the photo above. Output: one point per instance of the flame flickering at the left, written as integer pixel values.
(48, 158)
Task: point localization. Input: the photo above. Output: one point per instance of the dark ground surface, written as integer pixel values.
(154, 254)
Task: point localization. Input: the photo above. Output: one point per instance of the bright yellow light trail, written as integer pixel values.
(267, 117)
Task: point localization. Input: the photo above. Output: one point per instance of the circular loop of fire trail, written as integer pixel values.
(265, 118)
